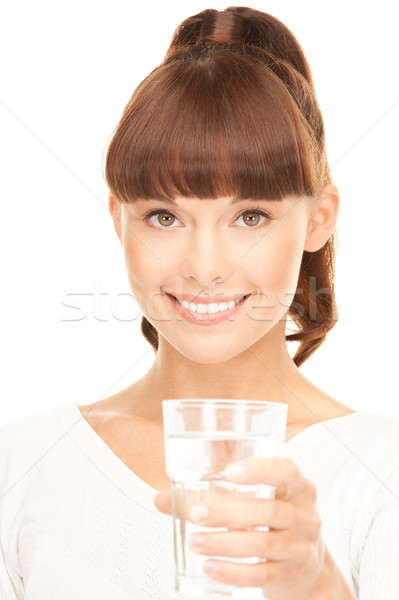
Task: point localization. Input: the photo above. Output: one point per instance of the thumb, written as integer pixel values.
(163, 502)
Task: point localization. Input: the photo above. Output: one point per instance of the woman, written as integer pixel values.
(222, 198)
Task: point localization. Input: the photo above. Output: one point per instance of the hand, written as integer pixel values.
(295, 552)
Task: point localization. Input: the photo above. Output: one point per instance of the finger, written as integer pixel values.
(240, 544)
(163, 502)
(270, 575)
(246, 514)
(282, 473)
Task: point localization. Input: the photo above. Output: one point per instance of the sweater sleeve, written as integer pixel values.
(379, 563)
(11, 498)
(7, 581)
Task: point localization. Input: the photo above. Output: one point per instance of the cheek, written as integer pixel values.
(146, 276)
(275, 272)
(287, 263)
(143, 269)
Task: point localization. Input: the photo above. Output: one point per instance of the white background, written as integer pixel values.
(68, 69)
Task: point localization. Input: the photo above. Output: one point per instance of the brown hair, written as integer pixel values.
(231, 111)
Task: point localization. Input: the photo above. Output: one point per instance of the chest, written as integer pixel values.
(140, 445)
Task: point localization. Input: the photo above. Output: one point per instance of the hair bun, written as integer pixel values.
(227, 27)
(239, 28)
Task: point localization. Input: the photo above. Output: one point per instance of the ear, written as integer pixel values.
(115, 209)
(323, 218)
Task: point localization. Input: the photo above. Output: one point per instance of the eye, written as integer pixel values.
(169, 218)
(257, 213)
(166, 223)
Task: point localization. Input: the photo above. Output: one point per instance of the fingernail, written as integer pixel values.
(197, 540)
(199, 513)
(211, 567)
(235, 471)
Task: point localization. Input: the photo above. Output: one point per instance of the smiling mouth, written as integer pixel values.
(207, 314)
(241, 299)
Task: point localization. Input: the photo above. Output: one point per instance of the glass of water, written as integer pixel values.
(202, 437)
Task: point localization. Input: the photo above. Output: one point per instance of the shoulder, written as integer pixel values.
(373, 434)
(359, 451)
(369, 446)
(368, 435)
(23, 442)
(376, 432)
(27, 428)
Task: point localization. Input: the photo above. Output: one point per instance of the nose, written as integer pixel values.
(206, 259)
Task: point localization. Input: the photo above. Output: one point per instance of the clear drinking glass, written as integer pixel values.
(202, 437)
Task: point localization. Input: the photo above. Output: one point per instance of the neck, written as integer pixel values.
(265, 371)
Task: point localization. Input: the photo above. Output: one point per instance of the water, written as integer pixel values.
(196, 466)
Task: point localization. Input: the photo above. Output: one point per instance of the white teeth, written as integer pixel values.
(211, 308)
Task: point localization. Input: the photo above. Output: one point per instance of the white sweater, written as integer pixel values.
(77, 524)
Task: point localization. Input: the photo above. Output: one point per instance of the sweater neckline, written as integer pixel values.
(120, 475)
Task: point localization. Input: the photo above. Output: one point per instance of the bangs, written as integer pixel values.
(222, 125)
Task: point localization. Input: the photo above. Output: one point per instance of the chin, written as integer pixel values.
(210, 354)
(213, 349)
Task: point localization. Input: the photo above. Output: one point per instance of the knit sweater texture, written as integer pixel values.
(77, 524)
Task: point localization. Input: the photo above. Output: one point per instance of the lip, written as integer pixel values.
(205, 319)
(208, 300)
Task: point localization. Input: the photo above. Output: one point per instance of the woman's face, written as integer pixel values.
(210, 249)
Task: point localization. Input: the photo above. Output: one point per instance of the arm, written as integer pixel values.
(8, 584)
(332, 585)
(379, 558)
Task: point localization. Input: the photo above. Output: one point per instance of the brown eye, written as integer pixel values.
(251, 218)
(165, 218)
